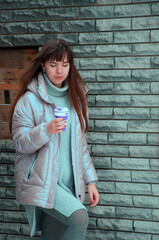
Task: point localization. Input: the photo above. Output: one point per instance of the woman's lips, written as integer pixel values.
(58, 77)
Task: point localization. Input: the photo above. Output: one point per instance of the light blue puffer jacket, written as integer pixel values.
(37, 152)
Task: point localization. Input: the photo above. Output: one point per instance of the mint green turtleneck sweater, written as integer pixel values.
(65, 202)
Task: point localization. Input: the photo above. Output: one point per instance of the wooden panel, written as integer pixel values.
(12, 64)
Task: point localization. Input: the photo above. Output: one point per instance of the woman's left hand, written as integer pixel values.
(93, 194)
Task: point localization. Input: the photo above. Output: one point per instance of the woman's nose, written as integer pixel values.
(59, 69)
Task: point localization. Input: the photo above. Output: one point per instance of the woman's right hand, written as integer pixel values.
(56, 125)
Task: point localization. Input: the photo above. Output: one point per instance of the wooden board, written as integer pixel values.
(12, 63)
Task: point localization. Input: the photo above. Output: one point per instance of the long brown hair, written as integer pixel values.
(57, 50)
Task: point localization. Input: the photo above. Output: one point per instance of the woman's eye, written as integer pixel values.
(65, 65)
(53, 65)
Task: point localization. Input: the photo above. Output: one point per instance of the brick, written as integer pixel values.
(7, 157)
(28, 15)
(10, 228)
(6, 146)
(144, 151)
(115, 224)
(6, 28)
(154, 35)
(88, 76)
(133, 213)
(154, 88)
(25, 229)
(132, 62)
(110, 150)
(43, 3)
(105, 2)
(3, 169)
(11, 169)
(146, 49)
(155, 62)
(106, 187)
(96, 63)
(155, 189)
(146, 227)
(1, 215)
(92, 223)
(99, 235)
(97, 12)
(144, 0)
(133, 10)
(6, 41)
(153, 139)
(145, 101)
(133, 188)
(114, 175)
(130, 163)
(91, 125)
(114, 75)
(109, 125)
(154, 113)
(113, 24)
(132, 88)
(143, 126)
(132, 236)
(62, 13)
(127, 138)
(84, 51)
(155, 214)
(7, 4)
(41, 27)
(101, 211)
(77, 3)
(71, 38)
(7, 181)
(2, 192)
(131, 36)
(91, 101)
(92, 38)
(100, 113)
(6, 16)
(116, 200)
(154, 164)
(113, 50)
(148, 201)
(10, 216)
(131, 113)
(155, 8)
(145, 176)
(111, 100)
(9, 204)
(3, 237)
(96, 137)
(10, 193)
(27, 40)
(102, 162)
(145, 23)
(78, 26)
(96, 88)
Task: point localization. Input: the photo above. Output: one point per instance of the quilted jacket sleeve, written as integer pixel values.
(27, 138)
(89, 170)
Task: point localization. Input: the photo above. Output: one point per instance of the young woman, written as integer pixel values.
(52, 166)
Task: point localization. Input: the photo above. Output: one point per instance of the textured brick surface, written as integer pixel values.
(116, 46)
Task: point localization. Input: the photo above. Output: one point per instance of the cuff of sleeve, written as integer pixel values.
(93, 182)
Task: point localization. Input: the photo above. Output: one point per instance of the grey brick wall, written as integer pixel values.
(116, 44)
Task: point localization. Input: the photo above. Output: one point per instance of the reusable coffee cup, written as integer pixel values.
(62, 113)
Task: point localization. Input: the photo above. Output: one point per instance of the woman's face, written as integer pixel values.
(57, 72)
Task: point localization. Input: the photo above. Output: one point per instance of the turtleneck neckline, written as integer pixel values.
(53, 90)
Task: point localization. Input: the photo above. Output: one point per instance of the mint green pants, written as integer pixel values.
(56, 226)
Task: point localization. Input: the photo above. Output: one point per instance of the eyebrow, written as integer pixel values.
(55, 62)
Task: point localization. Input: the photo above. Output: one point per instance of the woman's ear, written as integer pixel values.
(42, 65)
